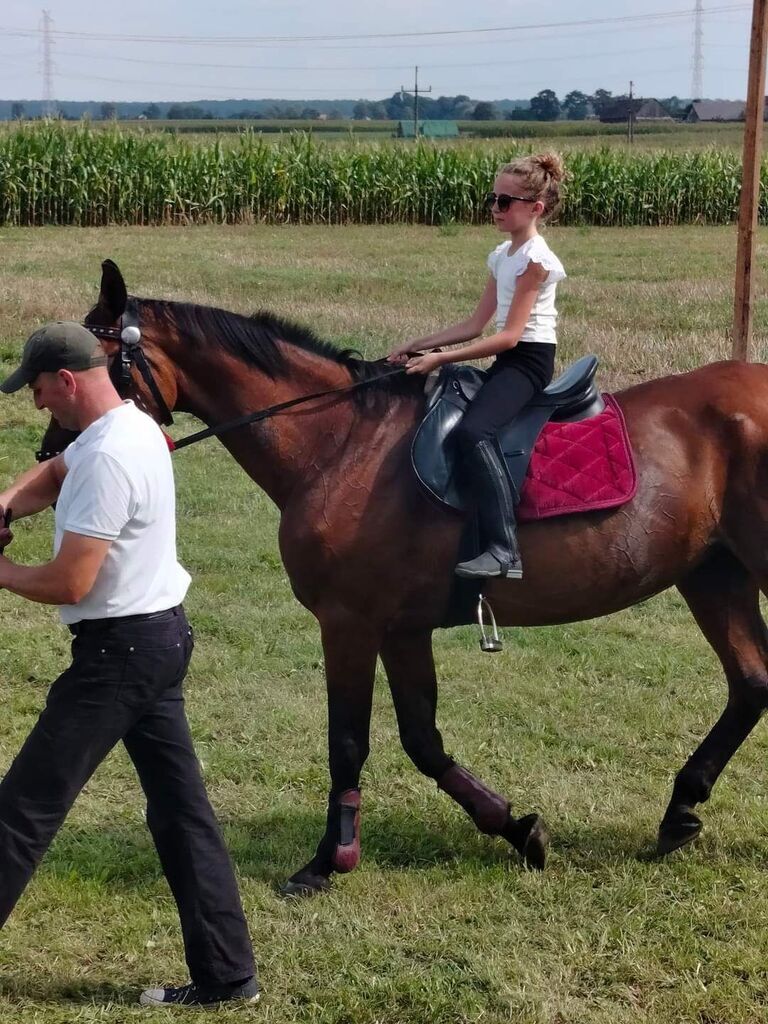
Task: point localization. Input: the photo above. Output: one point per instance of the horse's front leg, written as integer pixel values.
(350, 646)
(407, 657)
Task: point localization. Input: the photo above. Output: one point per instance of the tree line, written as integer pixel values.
(544, 106)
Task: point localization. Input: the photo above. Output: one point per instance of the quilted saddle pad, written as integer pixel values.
(579, 467)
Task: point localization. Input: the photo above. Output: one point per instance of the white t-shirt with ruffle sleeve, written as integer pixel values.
(506, 267)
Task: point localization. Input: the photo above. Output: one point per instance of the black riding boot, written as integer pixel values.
(493, 492)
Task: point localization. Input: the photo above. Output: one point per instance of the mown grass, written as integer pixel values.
(586, 722)
(496, 135)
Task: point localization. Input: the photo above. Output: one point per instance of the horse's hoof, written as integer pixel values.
(304, 883)
(534, 851)
(677, 832)
(530, 838)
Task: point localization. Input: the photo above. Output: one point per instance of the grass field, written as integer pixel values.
(533, 135)
(586, 722)
(648, 135)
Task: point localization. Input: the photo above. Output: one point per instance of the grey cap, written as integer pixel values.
(63, 345)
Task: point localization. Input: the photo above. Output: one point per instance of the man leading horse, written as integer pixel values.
(119, 587)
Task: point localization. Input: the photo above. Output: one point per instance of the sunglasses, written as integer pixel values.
(503, 201)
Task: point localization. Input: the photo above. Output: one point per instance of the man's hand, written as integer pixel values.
(5, 534)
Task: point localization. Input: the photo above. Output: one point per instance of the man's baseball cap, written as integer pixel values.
(63, 345)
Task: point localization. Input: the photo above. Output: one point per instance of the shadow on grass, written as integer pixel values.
(271, 847)
(37, 988)
(277, 845)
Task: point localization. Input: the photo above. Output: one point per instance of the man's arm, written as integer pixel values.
(65, 580)
(36, 489)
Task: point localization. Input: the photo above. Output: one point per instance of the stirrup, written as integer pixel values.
(490, 643)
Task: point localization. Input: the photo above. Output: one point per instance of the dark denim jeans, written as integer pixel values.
(125, 683)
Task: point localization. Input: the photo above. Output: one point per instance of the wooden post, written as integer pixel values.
(750, 183)
(415, 92)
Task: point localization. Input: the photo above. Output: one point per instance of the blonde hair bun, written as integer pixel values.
(552, 164)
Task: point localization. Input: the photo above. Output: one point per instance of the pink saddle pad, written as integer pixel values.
(579, 467)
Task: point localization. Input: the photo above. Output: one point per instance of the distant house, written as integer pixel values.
(652, 110)
(715, 110)
(642, 110)
(428, 130)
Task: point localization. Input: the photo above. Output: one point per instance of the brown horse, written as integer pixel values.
(373, 560)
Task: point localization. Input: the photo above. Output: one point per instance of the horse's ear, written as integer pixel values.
(113, 295)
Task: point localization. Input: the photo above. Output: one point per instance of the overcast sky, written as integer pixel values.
(190, 50)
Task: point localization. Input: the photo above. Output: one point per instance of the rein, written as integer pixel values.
(265, 414)
(128, 336)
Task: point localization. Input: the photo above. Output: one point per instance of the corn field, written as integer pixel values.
(57, 174)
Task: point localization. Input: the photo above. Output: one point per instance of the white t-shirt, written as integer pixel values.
(119, 487)
(506, 268)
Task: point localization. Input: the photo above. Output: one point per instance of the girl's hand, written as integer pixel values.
(400, 354)
(424, 364)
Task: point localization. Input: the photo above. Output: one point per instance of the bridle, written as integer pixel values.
(128, 336)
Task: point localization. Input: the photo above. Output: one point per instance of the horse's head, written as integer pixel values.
(138, 366)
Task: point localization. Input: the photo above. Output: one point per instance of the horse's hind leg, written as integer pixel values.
(724, 600)
(410, 669)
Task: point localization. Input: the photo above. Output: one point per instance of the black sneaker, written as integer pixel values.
(200, 996)
(487, 565)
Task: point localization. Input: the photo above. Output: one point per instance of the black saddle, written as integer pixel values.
(573, 396)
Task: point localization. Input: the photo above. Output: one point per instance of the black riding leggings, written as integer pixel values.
(512, 382)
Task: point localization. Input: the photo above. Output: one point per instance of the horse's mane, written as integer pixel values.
(255, 340)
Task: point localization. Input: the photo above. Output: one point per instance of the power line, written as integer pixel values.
(278, 91)
(229, 89)
(241, 90)
(368, 67)
(438, 67)
(697, 76)
(244, 41)
(546, 36)
(613, 81)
